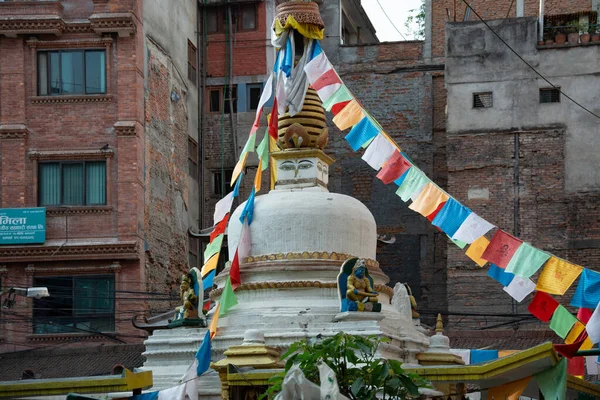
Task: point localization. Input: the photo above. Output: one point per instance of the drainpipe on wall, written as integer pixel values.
(520, 8)
(201, 55)
(541, 21)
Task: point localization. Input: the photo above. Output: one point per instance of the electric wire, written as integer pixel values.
(389, 19)
(528, 64)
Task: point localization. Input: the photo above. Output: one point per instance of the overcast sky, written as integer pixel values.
(397, 10)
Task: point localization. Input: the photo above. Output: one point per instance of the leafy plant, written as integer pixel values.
(415, 22)
(359, 373)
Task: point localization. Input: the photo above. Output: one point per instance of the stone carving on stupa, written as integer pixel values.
(355, 287)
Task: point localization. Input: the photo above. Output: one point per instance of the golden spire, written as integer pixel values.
(439, 324)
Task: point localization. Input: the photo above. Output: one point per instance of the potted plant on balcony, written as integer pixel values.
(585, 36)
(561, 36)
(549, 37)
(573, 32)
(594, 32)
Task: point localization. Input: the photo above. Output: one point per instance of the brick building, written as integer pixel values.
(98, 125)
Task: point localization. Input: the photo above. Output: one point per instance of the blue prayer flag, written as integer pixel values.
(288, 60)
(500, 275)
(203, 355)
(587, 294)
(236, 189)
(316, 50)
(248, 208)
(402, 177)
(361, 133)
(451, 217)
(207, 282)
(479, 356)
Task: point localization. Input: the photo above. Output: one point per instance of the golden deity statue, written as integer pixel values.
(355, 287)
(359, 286)
(189, 309)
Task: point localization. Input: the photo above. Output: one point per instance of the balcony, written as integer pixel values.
(568, 30)
(19, 17)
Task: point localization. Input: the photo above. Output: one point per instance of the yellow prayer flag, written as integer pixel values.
(210, 264)
(587, 344)
(349, 116)
(428, 200)
(476, 249)
(505, 353)
(509, 391)
(258, 177)
(273, 147)
(558, 275)
(213, 323)
(238, 168)
(574, 333)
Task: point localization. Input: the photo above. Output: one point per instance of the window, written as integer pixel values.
(193, 158)
(216, 100)
(243, 18)
(218, 182)
(192, 62)
(71, 72)
(253, 95)
(72, 183)
(550, 95)
(193, 246)
(482, 100)
(76, 304)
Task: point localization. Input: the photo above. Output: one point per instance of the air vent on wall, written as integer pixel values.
(550, 95)
(482, 100)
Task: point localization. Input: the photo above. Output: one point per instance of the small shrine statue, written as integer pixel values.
(190, 291)
(355, 287)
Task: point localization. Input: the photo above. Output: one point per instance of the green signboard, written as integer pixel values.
(22, 225)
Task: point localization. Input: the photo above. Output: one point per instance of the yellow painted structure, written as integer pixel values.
(126, 382)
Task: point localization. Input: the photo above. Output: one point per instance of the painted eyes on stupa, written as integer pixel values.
(305, 164)
(291, 166)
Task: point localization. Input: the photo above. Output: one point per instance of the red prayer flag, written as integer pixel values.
(273, 120)
(542, 306)
(569, 350)
(393, 168)
(576, 366)
(336, 108)
(584, 315)
(206, 306)
(234, 272)
(328, 78)
(431, 216)
(219, 228)
(501, 249)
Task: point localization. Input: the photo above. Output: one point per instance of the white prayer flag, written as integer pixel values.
(591, 365)
(519, 288)
(472, 229)
(244, 245)
(465, 354)
(417, 192)
(280, 93)
(593, 326)
(379, 151)
(266, 94)
(187, 387)
(317, 67)
(222, 208)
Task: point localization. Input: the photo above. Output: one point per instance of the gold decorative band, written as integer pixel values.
(315, 255)
(295, 285)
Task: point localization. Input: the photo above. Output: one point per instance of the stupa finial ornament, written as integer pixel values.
(439, 325)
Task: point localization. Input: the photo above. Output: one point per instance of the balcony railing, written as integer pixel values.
(571, 29)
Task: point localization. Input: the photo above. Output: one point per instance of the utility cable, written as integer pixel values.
(528, 64)
(389, 19)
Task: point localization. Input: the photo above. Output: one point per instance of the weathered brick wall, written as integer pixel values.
(166, 179)
(493, 9)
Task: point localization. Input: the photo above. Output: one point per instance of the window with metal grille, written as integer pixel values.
(550, 95)
(482, 100)
(193, 247)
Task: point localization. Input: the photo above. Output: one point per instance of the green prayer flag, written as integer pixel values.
(250, 144)
(562, 321)
(527, 260)
(457, 242)
(553, 382)
(263, 151)
(341, 95)
(414, 180)
(213, 247)
(228, 299)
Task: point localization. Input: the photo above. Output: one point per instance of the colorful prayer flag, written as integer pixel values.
(208, 280)
(527, 260)
(584, 314)
(480, 356)
(342, 95)
(239, 168)
(509, 391)
(501, 249)
(570, 350)
(203, 355)
(429, 199)
(451, 216)
(379, 151)
(264, 97)
(244, 245)
(587, 294)
(234, 272)
(273, 121)
(361, 133)
(542, 306)
(458, 243)
(476, 249)
(213, 247)
(553, 381)
(557, 276)
(248, 210)
(472, 228)
(498, 274)
(592, 365)
(210, 265)
(465, 354)
(238, 183)
(400, 180)
(575, 332)
(212, 327)
(222, 208)
(413, 181)
(349, 116)
(258, 177)
(250, 145)
(220, 228)
(576, 366)
(228, 299)
(519, 288)
(593, 326)
(316, 67)
(263, 151)
(327, 84)
(394, 168)
(562, 321)
(435, 212)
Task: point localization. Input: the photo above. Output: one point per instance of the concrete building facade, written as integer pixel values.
(98, 124)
